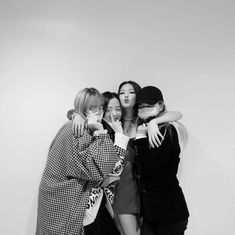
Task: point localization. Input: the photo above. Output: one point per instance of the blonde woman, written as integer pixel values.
(72, 196)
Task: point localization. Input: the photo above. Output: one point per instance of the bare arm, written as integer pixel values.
(154, 135)
(169, 116)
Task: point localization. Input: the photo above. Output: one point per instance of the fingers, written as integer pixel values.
(75, 130)
(155, 136)
(112, 118)
(77, 134)
(160, 135)
(82, 128)
(156, 140)
(78, 129)
(152, 142)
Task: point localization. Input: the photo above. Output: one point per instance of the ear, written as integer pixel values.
(162, 105)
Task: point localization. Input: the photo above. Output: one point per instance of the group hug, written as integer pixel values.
(112, 167)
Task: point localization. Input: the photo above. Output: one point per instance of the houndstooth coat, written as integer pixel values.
(73, 167)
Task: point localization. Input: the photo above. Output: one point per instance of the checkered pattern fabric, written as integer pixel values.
(116, 171)
(73, 167)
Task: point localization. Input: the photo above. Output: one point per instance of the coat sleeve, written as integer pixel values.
(117, 170)
(90, 158)
(142, 150)
(156, 158)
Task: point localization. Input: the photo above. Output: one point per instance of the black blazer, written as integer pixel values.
(162, 198)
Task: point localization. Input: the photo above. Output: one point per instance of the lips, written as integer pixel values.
(126, 101)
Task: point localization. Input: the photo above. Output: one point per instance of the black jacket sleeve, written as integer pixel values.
(154, 159)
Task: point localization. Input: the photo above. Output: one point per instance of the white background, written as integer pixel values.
(50, 49)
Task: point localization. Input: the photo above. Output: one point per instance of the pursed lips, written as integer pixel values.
(126, 100)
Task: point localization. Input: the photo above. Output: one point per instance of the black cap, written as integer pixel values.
(149, 95)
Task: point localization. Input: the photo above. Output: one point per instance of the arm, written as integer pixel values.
(154, 135)
(157, 158)
(120, 142)
(94, 153)
(90, 158)
(169, 151)
(168, 116)
(114, 176)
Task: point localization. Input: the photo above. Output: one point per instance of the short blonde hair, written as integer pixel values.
(82, 98)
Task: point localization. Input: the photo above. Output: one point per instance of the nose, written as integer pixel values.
(114, 112)
(99, 111)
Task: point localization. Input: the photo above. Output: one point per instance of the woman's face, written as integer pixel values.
(127, 96)
(94, 107)
(113, 108)
(145, 110)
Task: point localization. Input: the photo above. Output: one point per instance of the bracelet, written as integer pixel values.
(99, 132)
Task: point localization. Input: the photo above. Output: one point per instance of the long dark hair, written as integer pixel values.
(107, 97)
(137, 89)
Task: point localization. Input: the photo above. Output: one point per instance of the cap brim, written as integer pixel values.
(146, 101)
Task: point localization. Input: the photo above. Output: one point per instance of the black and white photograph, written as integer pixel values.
(117, 117)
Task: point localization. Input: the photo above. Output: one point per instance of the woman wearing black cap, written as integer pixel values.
(163, 205)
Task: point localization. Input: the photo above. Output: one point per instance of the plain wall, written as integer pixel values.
(50, 49)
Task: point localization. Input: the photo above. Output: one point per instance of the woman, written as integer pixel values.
(112, 115)
(111, 122)
(71, 193)
(163, 205)
(126, 202)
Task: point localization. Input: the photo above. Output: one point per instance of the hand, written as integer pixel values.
(79, 125)
(93, 123)
(154, 135)
(70, 114)
(116, 125)
(142, 129)
(109, 180)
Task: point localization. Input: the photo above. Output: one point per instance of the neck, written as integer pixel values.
(128, 114)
